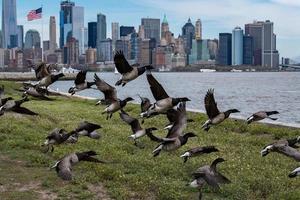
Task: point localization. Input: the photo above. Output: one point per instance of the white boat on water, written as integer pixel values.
(207, 70)
(236, 70)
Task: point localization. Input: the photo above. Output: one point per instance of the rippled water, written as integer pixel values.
(247, 92)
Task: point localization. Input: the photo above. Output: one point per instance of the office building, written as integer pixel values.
(188, 34)
(151, 29)
(248, 50)
(78, 26)
(92, 34)
(32, 39)
(66, 22)
(126, 30)
(225, 50)
(52, 33)
(20, 33)
(237, 46)
(105, 50)
(9, 24)
(198, 29)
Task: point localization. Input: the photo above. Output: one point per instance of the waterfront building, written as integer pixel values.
(78, 26)
(46, 45)
(101, 33)
(224, 52)
(146, 47)
(198, 30)
(105, 50)
(188, 34)
(66, 20)
(255, 30)
(124, 46)
(212, 46)
(141, 32)
(92, 34)
(151, 29)
(134, 46)
(52, 58)
(91, 56)
(19, 58)
(2, 58)
(167, 37)
(270, 56)
(126, 30)
(72, 51)
(115, 33)
(248, 50)
(237, 46)
(20, 33)
(32, 39)
(52, 33)
(162, 57)
(9, 24)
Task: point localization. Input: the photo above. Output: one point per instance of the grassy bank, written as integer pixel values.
(135, 174)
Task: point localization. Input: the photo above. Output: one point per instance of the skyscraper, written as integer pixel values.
(126, 30)
(9, 24)
(78, 26)
(237, 46)
(115, 32)
(248, 50)
(52, 33)
(270, 56)
(92, 34)
(101, 32)
(224, 53)
(66, 20)
(105, 50)
(255, 30)
(20, 33)
(164, 27)
(151, 28)
(32, 39)
(188, 34)
(198, 29)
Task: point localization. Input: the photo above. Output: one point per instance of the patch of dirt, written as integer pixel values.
(99, 191)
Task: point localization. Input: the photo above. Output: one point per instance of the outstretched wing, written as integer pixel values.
(42, 71)
(80, 78)
(23, 110)
(157, 90)
(121, 63)
(110, 92)
(210, 104)
(133, 122)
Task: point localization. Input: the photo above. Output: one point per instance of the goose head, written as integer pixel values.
(266, 150)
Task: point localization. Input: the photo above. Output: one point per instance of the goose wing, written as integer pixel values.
(210, 104)
(133, 122)
(80, 78)
(64, 169)
(179, 123)
(210, 180)
(87, 126)
(157, 90)
(23, 110)
(121, 63)
(288, 151)
(110, 92)
(42, 71)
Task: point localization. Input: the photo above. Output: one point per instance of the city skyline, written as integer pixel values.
(216, 19)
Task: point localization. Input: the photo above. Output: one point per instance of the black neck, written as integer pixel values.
(141, 70)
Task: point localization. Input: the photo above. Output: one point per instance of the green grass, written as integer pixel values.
(135, 174)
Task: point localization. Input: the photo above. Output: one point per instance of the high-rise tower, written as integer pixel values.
(52, 33)
(9, 24)
(198, 29)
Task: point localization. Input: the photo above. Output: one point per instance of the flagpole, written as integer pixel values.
(42, 43)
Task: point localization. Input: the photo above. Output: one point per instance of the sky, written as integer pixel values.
(216, 16)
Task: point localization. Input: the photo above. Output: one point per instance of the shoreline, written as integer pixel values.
(271, 123)
(29, 76)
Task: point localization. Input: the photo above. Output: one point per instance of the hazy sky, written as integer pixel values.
(216, 15)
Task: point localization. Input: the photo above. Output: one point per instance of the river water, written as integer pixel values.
(247, 92)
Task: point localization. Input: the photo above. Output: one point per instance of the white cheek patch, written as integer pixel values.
(194, 184)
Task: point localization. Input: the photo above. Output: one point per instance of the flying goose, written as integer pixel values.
(128, 72)
(163, 101)
(172, 115)
(261, 115)
(15, 106)
(56, 137)
(42, 70)
(64, 166)
(48, 80)
(88, 129)
(197, 151)
(80, 83)
(212, 111)
(110, 92)
(145, 105)
(136, 128)
(209, 174)
(36, 92)
(295, 173)
(115, 106)
(285, 147)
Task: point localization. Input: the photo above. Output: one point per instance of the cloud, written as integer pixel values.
(288, 2)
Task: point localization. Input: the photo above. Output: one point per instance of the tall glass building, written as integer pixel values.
(101, 34)
(9, 24)
(20, 33)
(224, 53)
(152, 29)
(188, 34)
(78, 26)
(237, 46)
(248, 50)
(32, 39)
(92, 34)
(66, 20)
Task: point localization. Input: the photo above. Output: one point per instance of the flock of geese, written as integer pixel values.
(174, 108)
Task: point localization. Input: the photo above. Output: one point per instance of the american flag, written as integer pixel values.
(35, 14)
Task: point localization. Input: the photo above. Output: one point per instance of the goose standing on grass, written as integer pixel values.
(198, 151)
(285, 147)
(110, 92)
(64, 166)
(295, 173)
(261, 115)
(212, 111)
(88, 129)
(163, 101)
(15, 106)
(56, 137)
(136, 128)
(209, 174)
(3, 100)
(128, 72)
(80, 83)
